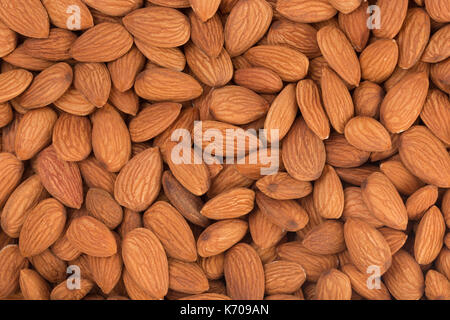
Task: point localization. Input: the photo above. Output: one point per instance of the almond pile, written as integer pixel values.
(94, 205)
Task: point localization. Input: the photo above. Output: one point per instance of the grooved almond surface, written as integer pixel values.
(13, 83)
(27, 18)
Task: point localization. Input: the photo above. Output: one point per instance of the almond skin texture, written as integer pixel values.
(437, 286)
(429, 236)
(125, 69)
(220, 236)
(287, 214)
(153, 84)
(367, 246)
(29, 19)
(438, 10)
(34, 132)
(92, 237)
(11, 262)
(404, 279)
(305, 11)
(247, 23)
(333, 285)
(378, 60)
(47, 87)
(367, 134)
(158, 26)
(310, 104)
(42, 227)
(9, 40)
(282, 277)
(354, 25)
(397, 112)
(328, 194)
(114, 8)
(55, 48)
(139, 182)
(146, 261)
(204, 9)
(110, 138)
(230, 204)
(339, 54)
(384, 202)
(303, 153)
(106, 271)
(104, 42)
(437, 49)
(244, 273)
(60, 178)
(237, 105)
(326, 238)
(13, 83)
(290, 64)
(72, 136)
(425, 156)
(172, 230)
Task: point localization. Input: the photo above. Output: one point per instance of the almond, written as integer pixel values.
(104, 42)
(367, 99)
(113, 7)
(13, 83)
(11, 262)
(92, 237)
(287, 214)
(359, 281)
(73, 102)
(395, 239)
(172, 230)
(244, 273)
(171, 58)
(420, 201)
(325, 238)
(404, 279)
(8, 41)
(354, 25)
(261, 80)
(289, 63)
(124, 70)
(187, 277)
(429, 236)
(306, 11)
(367, 246)
(42, 227)
(265, 234)
(11, 170)
(47, 87)
(220, 236)
(54, 48)
(438, 10)
(49, 266)
(146, 261)
(229, 204)
(437, 286)
(157, 84)
(62, 292)
(29, 19)
(397, 112)
(378, 60)
(106, 271)
(339, 54)
(102, 206)
(354, 207)
(158, 26)
(247, 23)
(328, 194)
(213, 266)
(60, 178)
(207, 35)
(404, 181)
(110, 138)
(333, 285)
(436, 114)
(16, 209)
(93, 81)
(342, 154)
(392, 15)
(425, 156)
(313, 264)
(72, 137)
(282, 277)
(204, 9)
(237, 105)
(33, 286)
(281, 186)
(303, 153)
(367, 134)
